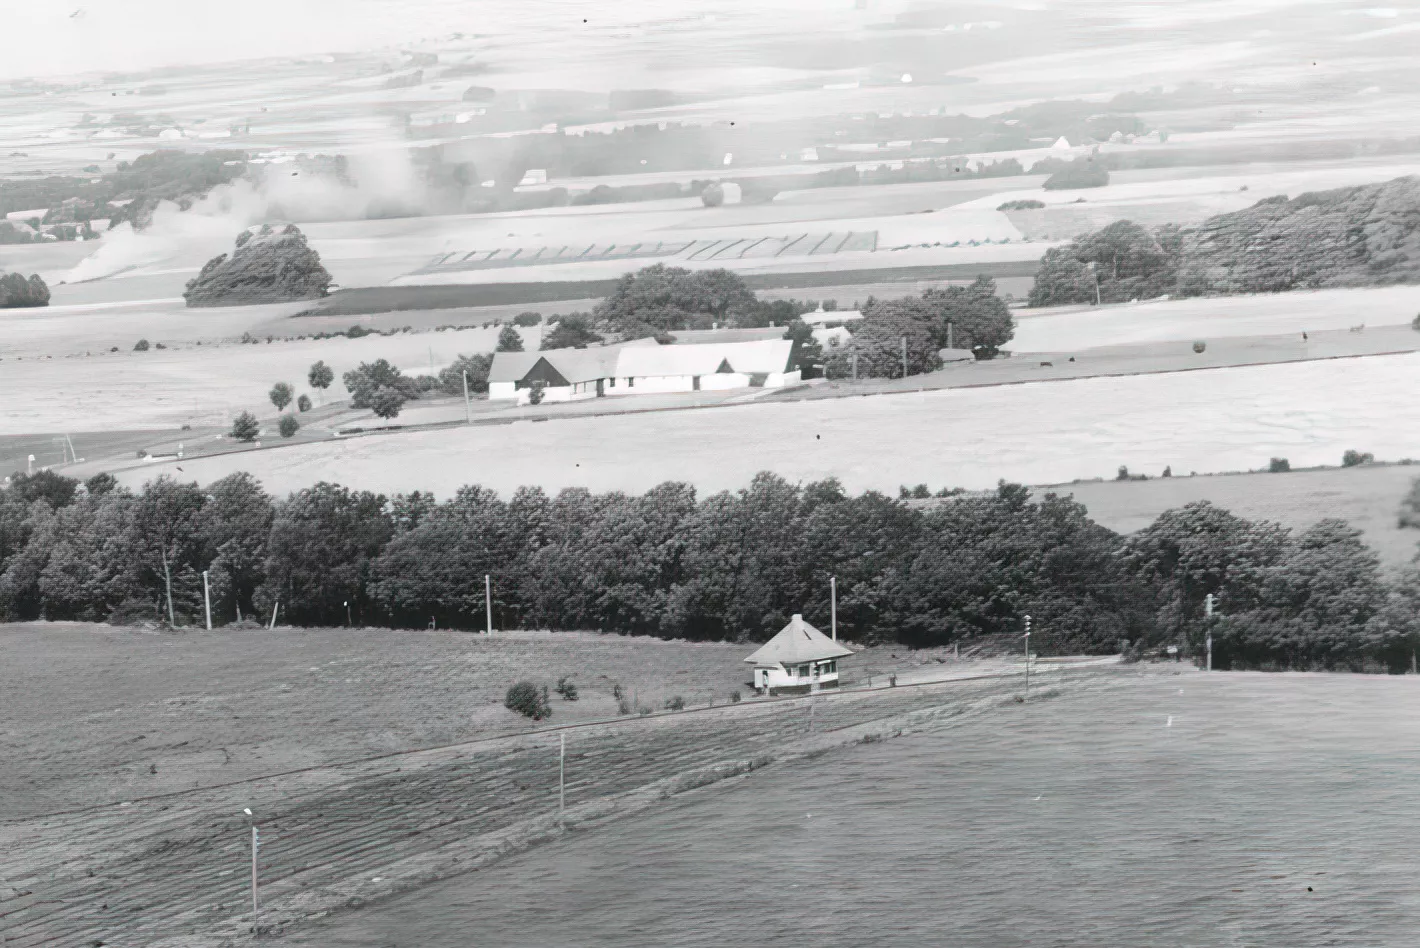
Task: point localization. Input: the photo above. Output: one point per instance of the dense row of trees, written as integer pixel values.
(1358, 236)
(734, 565)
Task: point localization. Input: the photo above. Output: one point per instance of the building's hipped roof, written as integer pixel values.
(797, 642)
(700, 337)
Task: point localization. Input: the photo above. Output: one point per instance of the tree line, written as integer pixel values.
(734, 565)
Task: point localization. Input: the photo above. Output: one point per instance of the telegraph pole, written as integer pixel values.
(562, 776)
(168, 582)
(855, 372)
(488, 600)
(1027, 656)
(950, 339)
(467, 411)
(904, 357)
(1208, 607)
(833, 600)
(207, 600)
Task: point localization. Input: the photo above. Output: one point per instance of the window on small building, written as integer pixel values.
(803, 671)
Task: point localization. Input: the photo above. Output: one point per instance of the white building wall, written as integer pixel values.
(722, 381)
(662, 383)
(781, 379)
(777, 677)
(500, 390)
(556, 393)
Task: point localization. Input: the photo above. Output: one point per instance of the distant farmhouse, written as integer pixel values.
(799, 659)
(643, 367)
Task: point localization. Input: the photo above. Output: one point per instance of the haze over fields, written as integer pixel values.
(1217, 105)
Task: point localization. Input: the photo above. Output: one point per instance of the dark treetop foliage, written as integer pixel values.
(380, 387)
(1361, 236)
(570, 332)
(270, 266)
(18, 292)
(731, 566)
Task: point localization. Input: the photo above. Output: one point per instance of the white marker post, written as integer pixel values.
(833, 601)
(274, 607)
(347, 614)
(467, 410)
(561, 776)
(488, 600)
(1208, 608)
(207, 599)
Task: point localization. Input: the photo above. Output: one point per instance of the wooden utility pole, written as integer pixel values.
(467, 410)
(561, 776)
(274, 607)
(1027, 656)
(904, 357)
(1208, 608)
(488, 600)
(255, 908)
(207, 599)
(855, 366)
(950, 339)
(833, 604)
(168, 582)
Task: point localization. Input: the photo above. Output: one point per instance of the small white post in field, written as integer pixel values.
(488, 600)
(207, 599)
(274, 607)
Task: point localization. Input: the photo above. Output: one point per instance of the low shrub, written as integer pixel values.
(288, 425)
(676, 703)
(735, 696)
(566, 689)
(528, 318)
(141, 345)
(1027, 205)
(1278, 466)
(528, 700)
(1200, 346)
(303, 403)
(1356, 458)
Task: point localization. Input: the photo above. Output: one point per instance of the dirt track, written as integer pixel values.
(174, 868)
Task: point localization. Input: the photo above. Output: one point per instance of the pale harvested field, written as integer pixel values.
(1227, 420)
(204, 385)
(1070, 329)
(1367, 497)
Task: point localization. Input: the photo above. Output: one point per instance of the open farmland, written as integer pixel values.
(144, 748)
(1366, 497)
(1072, 328)
(1156, 809)
(204, 384)
(1045, 432)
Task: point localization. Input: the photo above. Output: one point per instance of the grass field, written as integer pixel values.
(1308, 412)
(142, 749)
(1367, 497)
(1145, 809)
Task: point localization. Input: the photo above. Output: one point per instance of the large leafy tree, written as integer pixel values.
(319, 553)
(570, 332)
(878, 342)
(669, 298)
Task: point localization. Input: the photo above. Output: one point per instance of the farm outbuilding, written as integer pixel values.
(799, 659)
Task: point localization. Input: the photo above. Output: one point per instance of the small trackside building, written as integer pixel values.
(798, 660)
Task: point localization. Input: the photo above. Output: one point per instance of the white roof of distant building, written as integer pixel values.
(763, 355)
(797, 642)
(831, 316)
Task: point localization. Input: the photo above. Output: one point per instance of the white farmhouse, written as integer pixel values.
(799, 659)
(642, 367)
